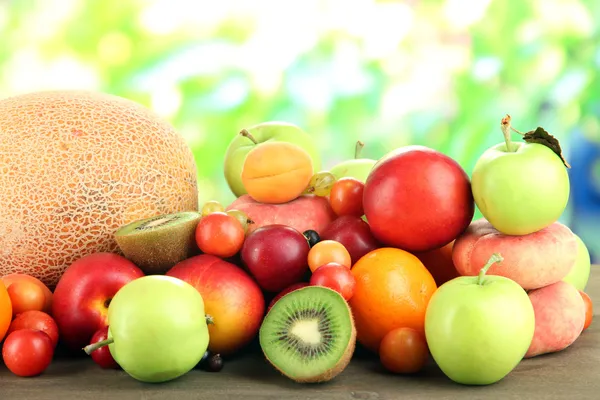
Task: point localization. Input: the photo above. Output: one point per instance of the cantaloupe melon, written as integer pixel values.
(76, 165)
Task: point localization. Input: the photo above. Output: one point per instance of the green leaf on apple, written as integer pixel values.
(541, 136)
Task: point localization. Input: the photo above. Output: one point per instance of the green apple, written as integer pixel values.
(358, 168)
(479, 328)
(580, 273)
(249, 138)
(520, 187)
(157, 328)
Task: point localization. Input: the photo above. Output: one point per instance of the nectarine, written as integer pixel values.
(417, 199)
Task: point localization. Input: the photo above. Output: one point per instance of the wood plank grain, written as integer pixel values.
(570, 374)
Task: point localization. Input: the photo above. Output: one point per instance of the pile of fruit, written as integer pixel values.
(312, 263)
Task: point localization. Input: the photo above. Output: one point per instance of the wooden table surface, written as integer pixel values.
(573, 373)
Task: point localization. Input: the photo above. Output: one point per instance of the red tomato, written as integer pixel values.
(25, 296)
(27, 352)
(102, 356)
(346, 197)
(220, 235)
(36, 320)
(589, 309)
(403, 351)
(335, 276)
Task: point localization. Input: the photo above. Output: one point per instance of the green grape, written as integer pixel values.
(210, 207)
(320, 184)
(242, 217)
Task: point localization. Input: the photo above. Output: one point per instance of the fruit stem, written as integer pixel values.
(505, 127)
(245, 133)
(357, 149)
(209, 319)
(90, 348)
(495, 258)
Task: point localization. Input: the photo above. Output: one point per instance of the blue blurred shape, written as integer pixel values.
(584, 174)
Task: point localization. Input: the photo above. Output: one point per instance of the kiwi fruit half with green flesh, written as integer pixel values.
(157, 243)
(309, 334)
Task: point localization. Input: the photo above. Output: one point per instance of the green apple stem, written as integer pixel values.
(247, 134)
(505, 127)
(357, 149)
(495, 258)
(209, 319)
(90, 348)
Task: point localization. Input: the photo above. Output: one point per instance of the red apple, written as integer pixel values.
(102, 356)
(36, 320)
(83, 293)
(354, 233)
(285, 291)
(231, 297)
(418, 199)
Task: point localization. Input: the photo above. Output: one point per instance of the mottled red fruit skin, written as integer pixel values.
(285, 291)
(354, 233)
(276, 256)
(83, 293)
(417, 199)
(533, 261)
(36, 320)
(304, 213)
(231, 297)
(559, 318)
(102, 356)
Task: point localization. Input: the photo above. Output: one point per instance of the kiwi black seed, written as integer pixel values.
(309, 334)
(157, 243)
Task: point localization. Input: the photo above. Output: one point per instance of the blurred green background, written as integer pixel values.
(389, 73)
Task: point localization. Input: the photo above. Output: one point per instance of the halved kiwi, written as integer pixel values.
(309, 334)
(157, 243)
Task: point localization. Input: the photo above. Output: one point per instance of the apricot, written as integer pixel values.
(276, 172)
(559, 318)
(533, 261)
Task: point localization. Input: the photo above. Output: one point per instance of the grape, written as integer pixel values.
(214, 363)
(242, 217)
(320, 184)
(210, 207)
(312, 237)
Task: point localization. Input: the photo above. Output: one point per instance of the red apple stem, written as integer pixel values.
(357, 149)
(245, 133)
(210, 320)
(90, 348)
(495, 258)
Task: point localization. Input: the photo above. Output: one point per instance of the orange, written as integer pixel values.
(393, 289)
(5, 311)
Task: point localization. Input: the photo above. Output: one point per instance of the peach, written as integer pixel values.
(305, 212)
(533, 261)
(559, 318)
(276, 172)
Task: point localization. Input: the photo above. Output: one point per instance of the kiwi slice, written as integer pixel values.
(157, 243)
(309, 334)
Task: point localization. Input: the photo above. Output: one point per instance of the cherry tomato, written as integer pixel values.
(589, 309)
(327, 251)
(220, 235)
(403, 351)
(27, 352)
(335, 276)
(36, 320)
(25, 296)
(346, 197)
(102, 356)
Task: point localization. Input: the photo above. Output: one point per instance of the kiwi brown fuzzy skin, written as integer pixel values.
(156, 249)
(338, 368)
